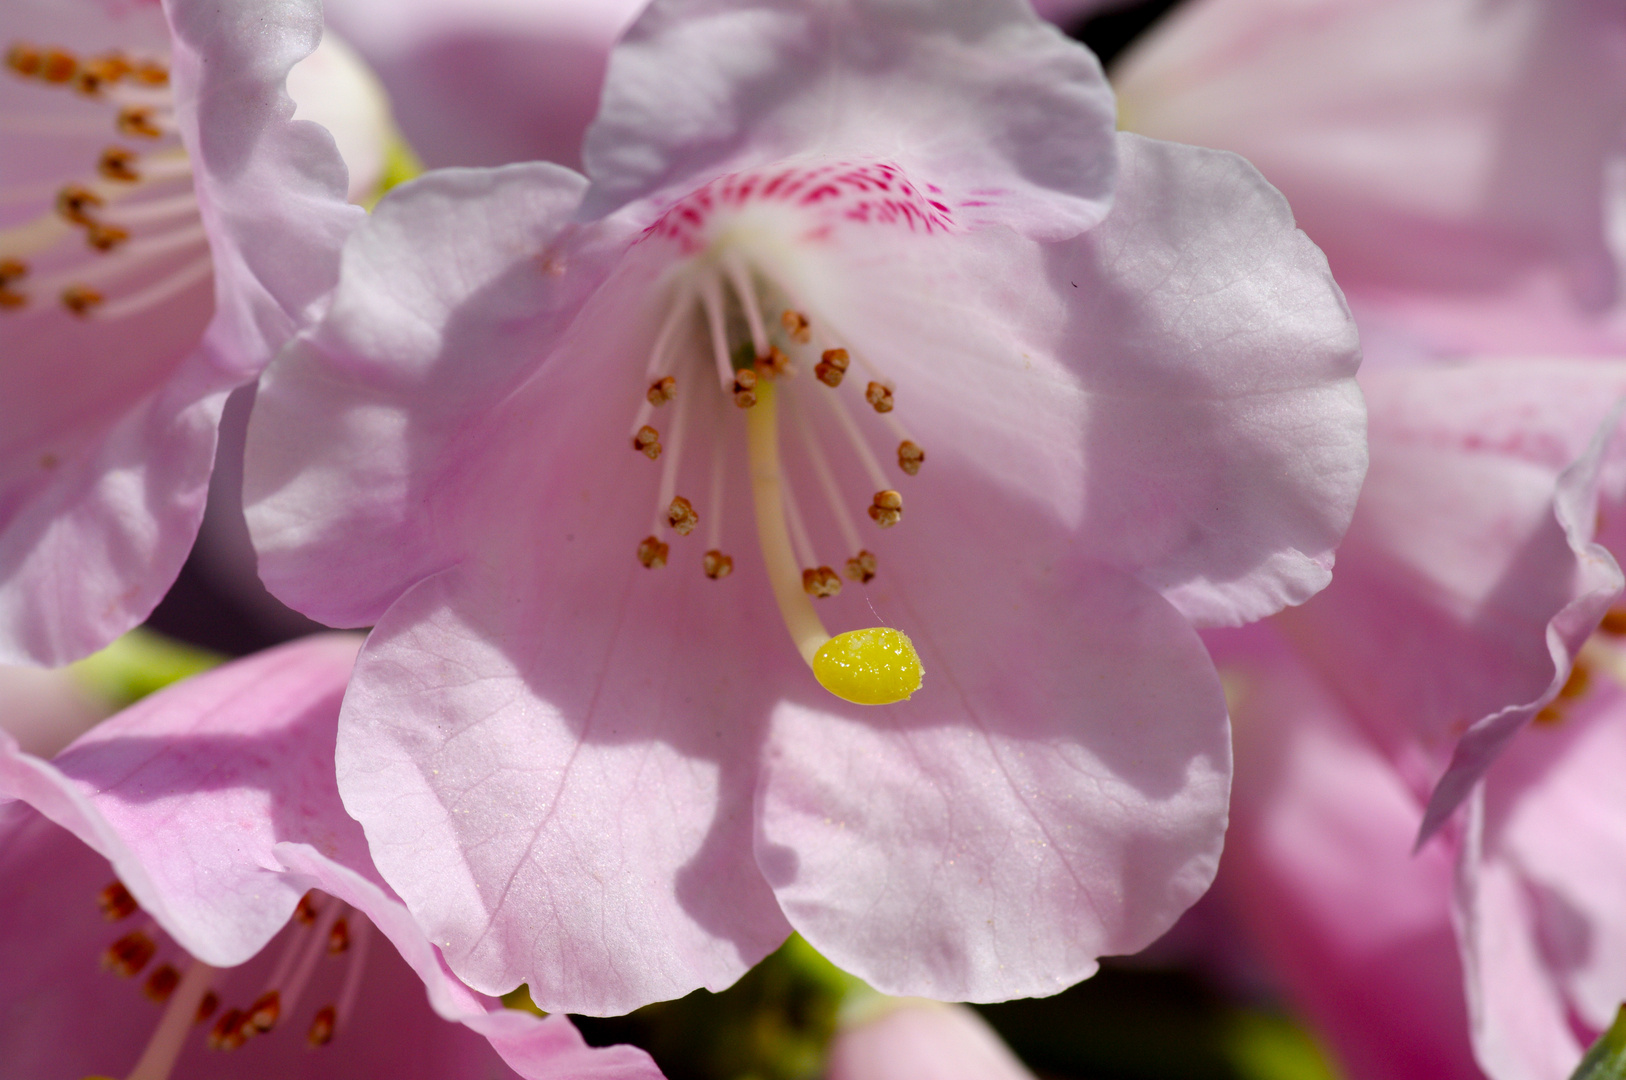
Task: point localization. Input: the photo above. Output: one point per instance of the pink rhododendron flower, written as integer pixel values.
(921, 1040)
(164, 228)
(1454, 160)
(215, 803)
(844, 311)
(1318, 866)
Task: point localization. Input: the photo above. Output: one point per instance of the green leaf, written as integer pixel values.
(1607, 1058)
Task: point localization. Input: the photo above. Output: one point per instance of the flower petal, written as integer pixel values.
(1054, 793)
(1009, 117)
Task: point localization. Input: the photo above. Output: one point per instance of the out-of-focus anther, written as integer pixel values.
(832, 367)
(717, 565)
(681, 516)
(820, 582)
(887, 509)
(879, 397)
(861, 567)
(652, 552)
(647, 442)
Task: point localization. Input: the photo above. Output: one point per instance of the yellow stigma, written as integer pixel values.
(877, 666)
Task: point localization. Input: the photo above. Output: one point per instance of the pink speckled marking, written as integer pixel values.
(874, 193)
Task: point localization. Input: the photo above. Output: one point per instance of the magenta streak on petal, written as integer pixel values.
(866, 192)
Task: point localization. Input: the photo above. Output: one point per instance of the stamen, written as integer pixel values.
(745, 388)
(740, 277)
(661, 391)
(669, 469)
(711, 297)
(79, 299)
(265, 1011)
(714, 526)
(879, 397)
(861, 567)
(74, 202)
(321, 1032)
(331, 911)
(774, 363)
(910, 457)
(230, 1031)
(717, 565)
(821, 582)
(860, 446)
(305, 912)
(887, 509)
(130, 953)
(161, 983)
(25, 60)
(827, 481)
(117, 163)
(674, 318)
(647, 441)
(206, 1007)
(352, 977)
(832, 367)
(802, 544)
(114, 900)
(58, 66)
(796, 326)
(158, 1059)
(652, 552)
(681, 516)
(105, 237)
(130, 257)
(338, 937)
(1614, 622)
(139, 121)
(159, 291)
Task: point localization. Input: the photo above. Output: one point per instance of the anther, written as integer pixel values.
(117, 163)
(97, 73)
(25, 60)
(887, 509)
(774, 363)
(58, 66)
(74, 202)
(861, 567)
(338, 937)
(228, 1032)
(138, 121)
(150, 73)
(832, 366)
(910, 457)
(662, 390)
(79, 299)
(129, 954)
(1614, 620)
(879, 397)
(305, 911)
(820, 582)
(717, 565)
(206, 1007)
(161, 983)
(681, 516)
(796, 326)
(321, 1032)
(652, 552)
(647, 442)
(745, 388)
(265, 1011)
(105, 237)
(116, 902)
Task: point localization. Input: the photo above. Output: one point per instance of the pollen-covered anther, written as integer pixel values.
(338, 937)
(79, 299)
(745, 388)
(161, 983)
(647, 442)
(137, 121)
(206, 1007)
(861, 567)
(12, 270)
(879, 397)
(230, 1031)
(116, 902)
(717, 565)
(910, 457)
(832, 367)
(797, 328)
(99, 72)
(305, 911)
(661, 391)
(74, 203)
(820, 582)
(265, 1011)
(321, 1032)
(681, 516)
(773, 363)
(58, 66)
(117, 163)
(25, 60)
(887, 509)
(105, 237)
(652, 552)
(129, 954)
(1580, 678)
(150, 73)
(1613, 622)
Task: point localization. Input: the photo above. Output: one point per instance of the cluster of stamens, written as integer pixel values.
(321, 926)
(135, 210)
(750, 350)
